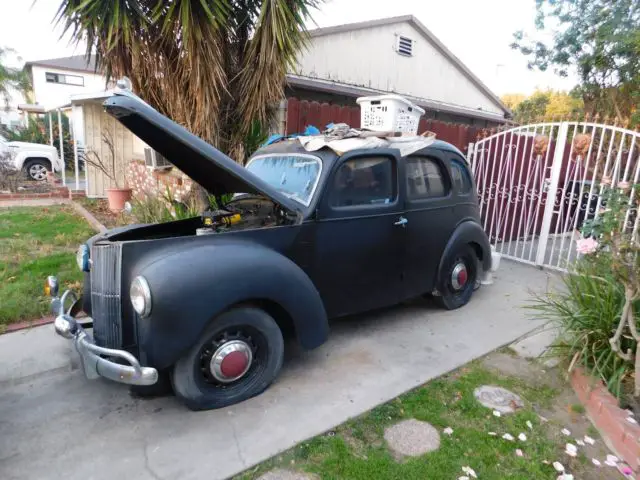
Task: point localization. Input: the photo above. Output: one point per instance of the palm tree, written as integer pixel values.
(12, 79)
(215, 66)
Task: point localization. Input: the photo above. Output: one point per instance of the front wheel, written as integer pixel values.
(458, 279)
(36, 170)
(237, 357)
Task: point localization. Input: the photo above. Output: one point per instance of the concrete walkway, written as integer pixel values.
(59, 425)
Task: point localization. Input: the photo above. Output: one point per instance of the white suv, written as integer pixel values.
(34, 159)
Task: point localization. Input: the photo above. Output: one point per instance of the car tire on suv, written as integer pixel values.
(36, 169)
(237, 357)
(458, 278)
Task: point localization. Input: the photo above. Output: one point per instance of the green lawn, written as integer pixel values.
(36, 242)
(357, 450)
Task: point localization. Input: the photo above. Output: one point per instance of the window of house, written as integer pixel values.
(364, 181)
(64, 78)
(404, 46)
(460, 177)
(425, 179)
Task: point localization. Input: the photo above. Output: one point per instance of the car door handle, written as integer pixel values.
(402, 222)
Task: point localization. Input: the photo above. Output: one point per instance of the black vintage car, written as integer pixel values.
(203, 302)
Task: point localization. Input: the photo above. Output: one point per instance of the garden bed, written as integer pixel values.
(99, 208)
(36, 242)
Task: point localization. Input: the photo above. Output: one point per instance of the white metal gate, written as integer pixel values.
(537, 184)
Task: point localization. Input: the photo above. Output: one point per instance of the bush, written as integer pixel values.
(587, 311)
(598, 310)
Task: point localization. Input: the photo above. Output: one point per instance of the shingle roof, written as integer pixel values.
(78, 63)
(425, 33)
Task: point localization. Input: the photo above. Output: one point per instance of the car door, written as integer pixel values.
(431, 219)
(360, 234)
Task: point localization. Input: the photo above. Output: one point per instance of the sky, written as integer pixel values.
(477, 32)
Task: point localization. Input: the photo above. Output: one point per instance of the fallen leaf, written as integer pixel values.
(571, 449)
(530, 425)
(589, 440)
(596, 462)
(522, 437)
(543, 419)
(558, 466)
(448, 431)
(566, 432)
(463, 478)
(519, 452)
(496, 413)
(612, 458)
(632, 420)
(508, 436)
(580, 442)
(565, 476)
(493, 434)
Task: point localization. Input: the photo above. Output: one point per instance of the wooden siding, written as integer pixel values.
(126, 145)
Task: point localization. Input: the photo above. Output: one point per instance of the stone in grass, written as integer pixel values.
(498, 398)
(412, 438)
(280, 474)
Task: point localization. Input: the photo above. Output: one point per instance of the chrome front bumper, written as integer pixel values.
(93, 362)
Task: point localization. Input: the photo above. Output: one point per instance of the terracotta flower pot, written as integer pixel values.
(117, 197)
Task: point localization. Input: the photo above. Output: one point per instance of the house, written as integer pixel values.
(54, 81)
(392, 55)
(398, 55)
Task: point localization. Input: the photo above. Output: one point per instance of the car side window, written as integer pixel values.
(364, 181)
(460, 177)
(425, 179)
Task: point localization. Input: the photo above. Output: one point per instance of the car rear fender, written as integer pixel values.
(191, 287)
(468, 232)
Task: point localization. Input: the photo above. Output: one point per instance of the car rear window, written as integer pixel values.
(425, 179)
(460, 177)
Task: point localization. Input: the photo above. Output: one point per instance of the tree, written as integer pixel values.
(512, 100)
(545, 104)
(215, 66)
(12, 78)
(600, 39)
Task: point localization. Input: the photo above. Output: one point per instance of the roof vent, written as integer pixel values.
(404, 46)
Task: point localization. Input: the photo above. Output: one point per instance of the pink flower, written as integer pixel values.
(586, 246)
(624, 185)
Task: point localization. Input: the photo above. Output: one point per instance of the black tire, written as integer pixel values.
(450, 297)
(36, 169)
(192, 380)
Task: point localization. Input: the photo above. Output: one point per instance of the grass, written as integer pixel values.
(356, 450)
(36, 242)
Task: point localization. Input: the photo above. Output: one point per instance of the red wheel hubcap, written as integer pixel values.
(462, 277)
(234, 364)
(459, 276)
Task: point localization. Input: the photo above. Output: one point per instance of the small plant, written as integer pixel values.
(9, 176)
(105, 165)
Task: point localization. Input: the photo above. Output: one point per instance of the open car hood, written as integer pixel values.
(202, 162)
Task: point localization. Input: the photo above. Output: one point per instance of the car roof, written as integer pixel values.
(293, 146)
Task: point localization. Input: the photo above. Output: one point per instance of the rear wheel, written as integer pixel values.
(37, 169)
(237, 357)
(458, 278)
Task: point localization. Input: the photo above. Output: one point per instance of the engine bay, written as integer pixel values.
(241, 213)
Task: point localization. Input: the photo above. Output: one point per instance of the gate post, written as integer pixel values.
(556, 167)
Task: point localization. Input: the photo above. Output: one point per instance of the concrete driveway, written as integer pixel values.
(59, 425)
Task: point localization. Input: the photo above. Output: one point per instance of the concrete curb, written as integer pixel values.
(93, 221)
(14, 327)
(602, 408)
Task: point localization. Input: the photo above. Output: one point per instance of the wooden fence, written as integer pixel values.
(301, 113)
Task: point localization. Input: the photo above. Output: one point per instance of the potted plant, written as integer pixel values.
(118, 194)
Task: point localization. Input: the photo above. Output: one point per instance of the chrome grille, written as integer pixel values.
(105, 295)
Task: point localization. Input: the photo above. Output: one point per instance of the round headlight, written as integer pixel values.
(140, 294)
(82, 258)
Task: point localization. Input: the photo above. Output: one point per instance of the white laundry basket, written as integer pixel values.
(389, 113)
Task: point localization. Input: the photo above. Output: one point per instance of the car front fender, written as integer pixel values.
(468, 233)
(191, 287)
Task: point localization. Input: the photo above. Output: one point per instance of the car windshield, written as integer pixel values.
(295, 176)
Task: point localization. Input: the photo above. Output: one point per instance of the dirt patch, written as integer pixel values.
(99, 208)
